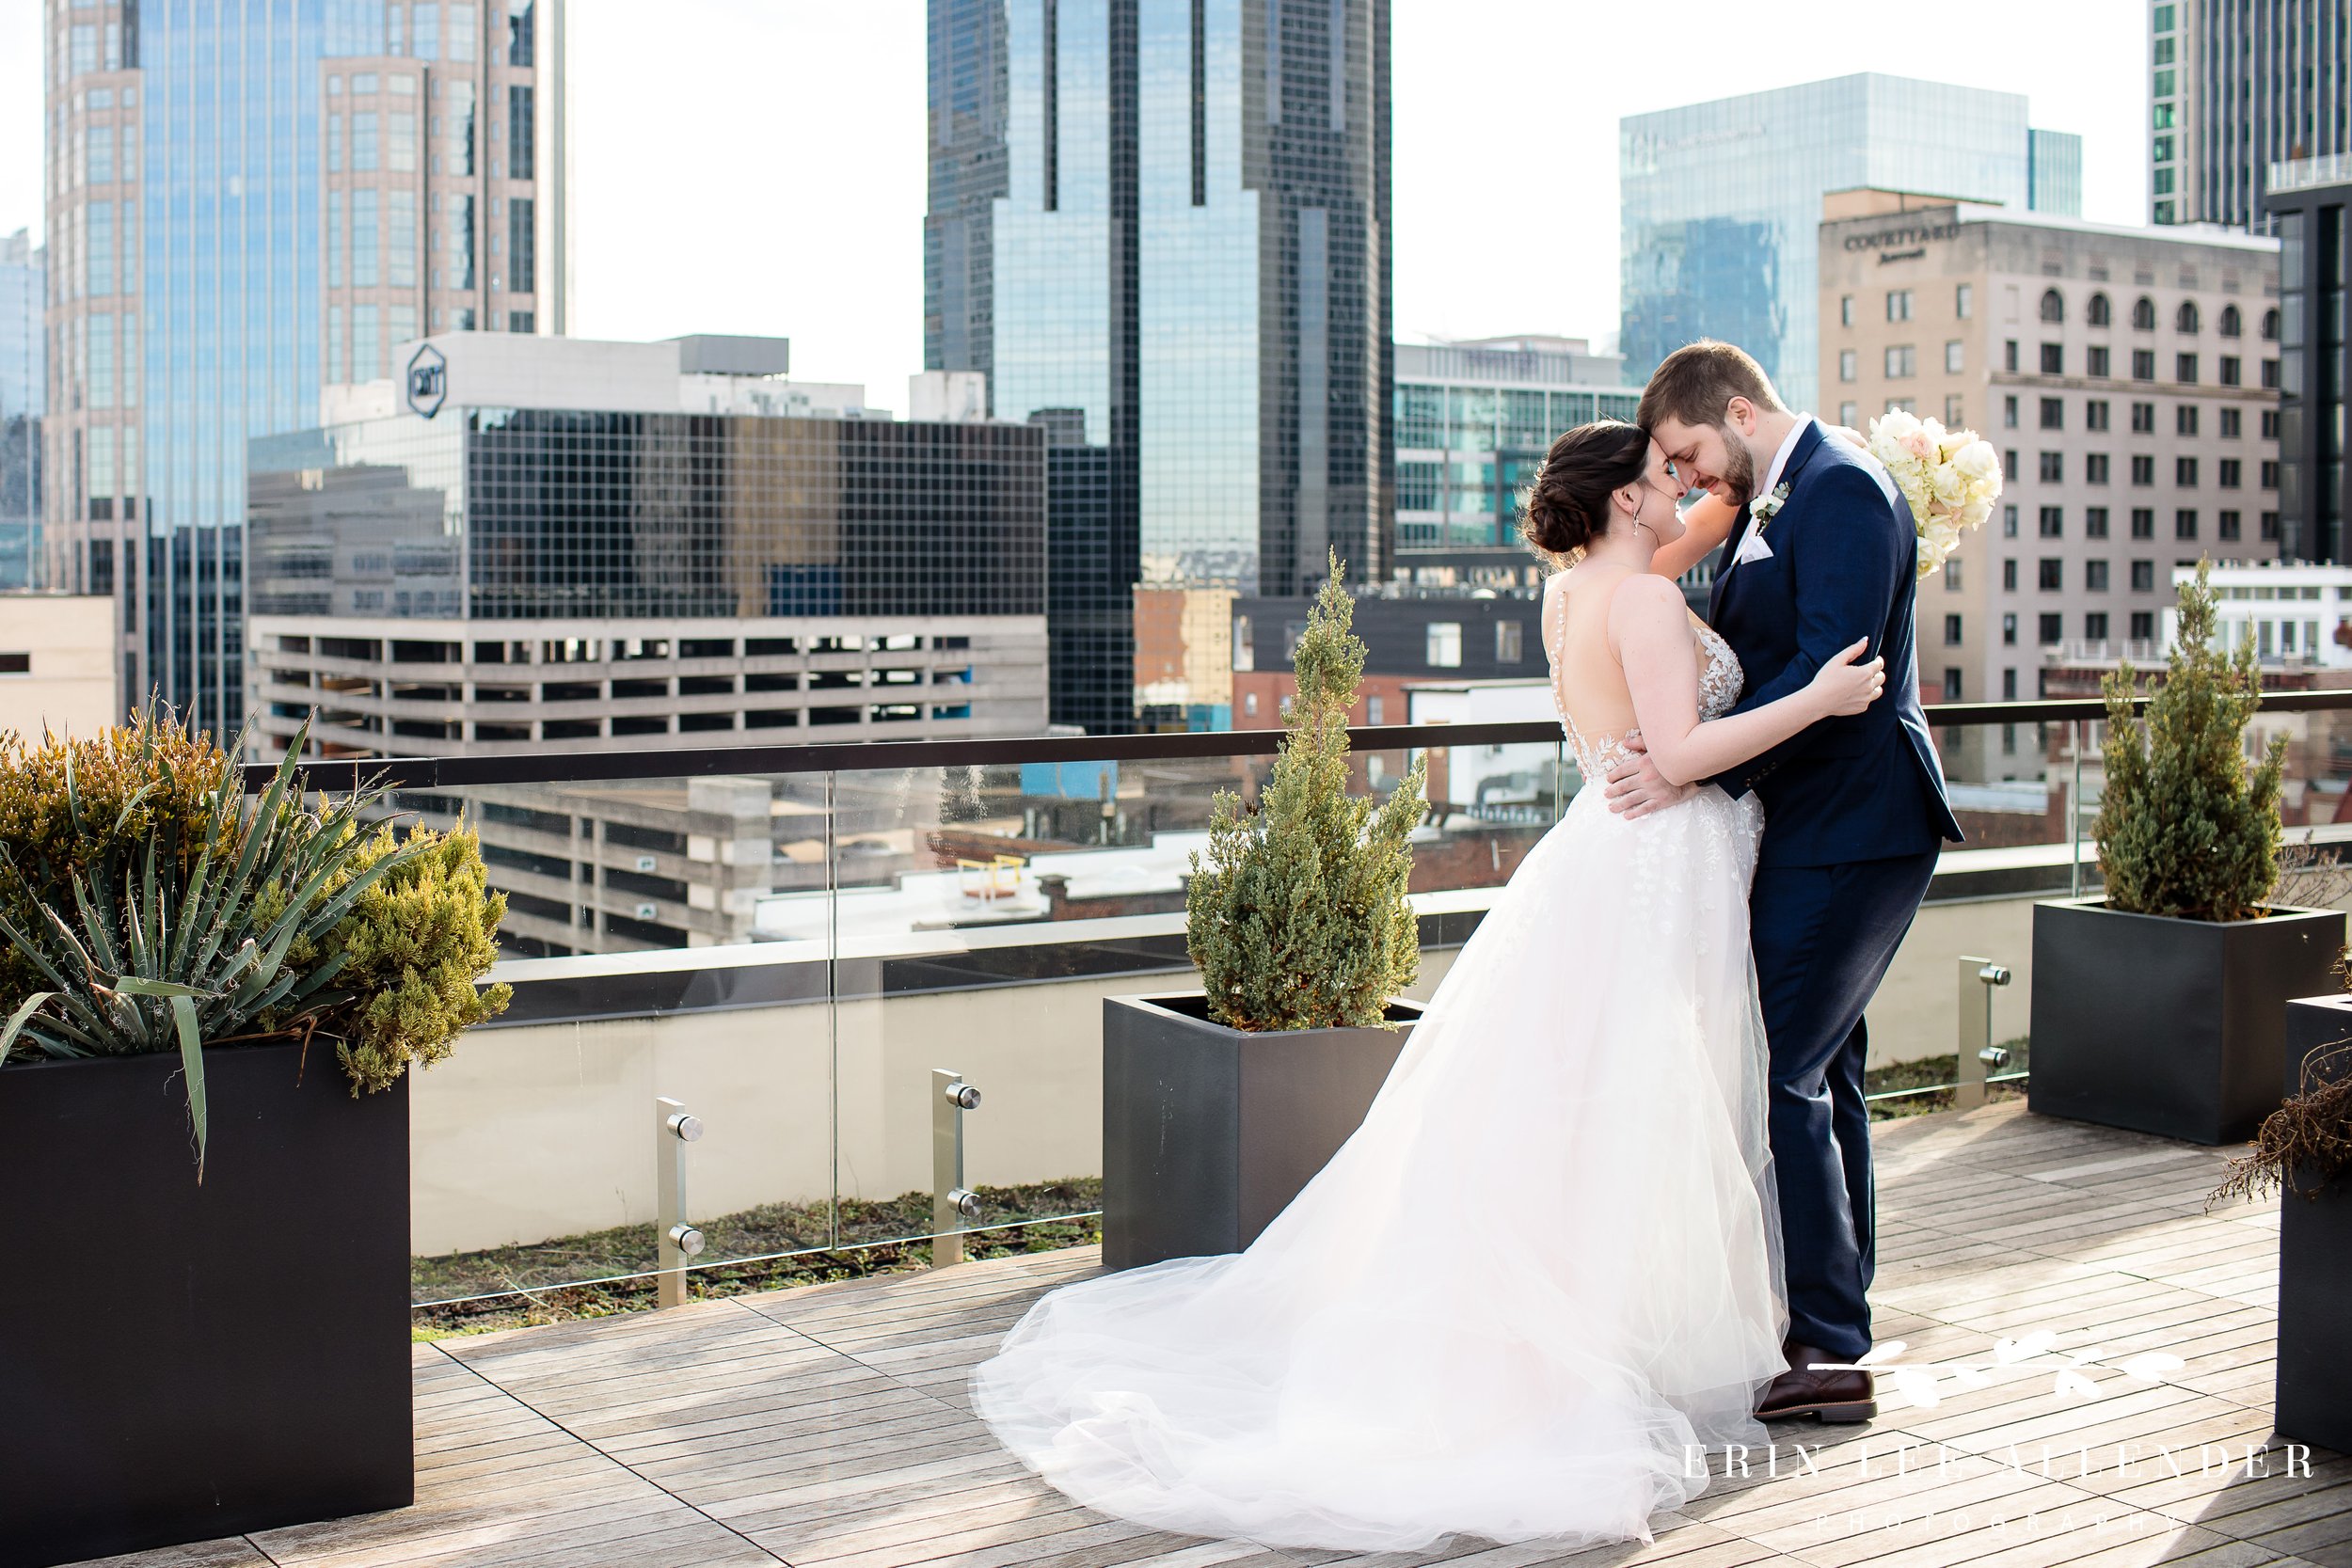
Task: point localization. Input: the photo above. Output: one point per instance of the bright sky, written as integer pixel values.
(756, 165)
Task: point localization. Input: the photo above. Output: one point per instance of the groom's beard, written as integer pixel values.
(1739, 471)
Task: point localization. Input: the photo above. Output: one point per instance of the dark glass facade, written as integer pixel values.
(2234, 88)
(537, 514)
(1188, 254)
(2313, 222)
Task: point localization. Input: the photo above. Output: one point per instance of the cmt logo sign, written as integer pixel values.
(428, 381)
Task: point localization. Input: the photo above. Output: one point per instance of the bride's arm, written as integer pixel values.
(1705, 527)
(1650, 628)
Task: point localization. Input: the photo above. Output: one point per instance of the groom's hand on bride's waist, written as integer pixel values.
(1636, 787)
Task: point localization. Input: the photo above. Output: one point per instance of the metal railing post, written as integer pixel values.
(1977, 1053)
(951, 1205)
(2074, 816)
(674, 1240)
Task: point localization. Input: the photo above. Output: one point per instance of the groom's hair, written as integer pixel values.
(1696, 383)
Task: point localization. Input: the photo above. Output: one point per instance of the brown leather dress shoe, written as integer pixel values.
(1830, 1396)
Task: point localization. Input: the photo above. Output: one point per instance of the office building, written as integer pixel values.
(2309, 202)
(250, 201)
(23, 377)
(2296, 615)
(57, 664)
(2236, 86)
(1165, 231)
(2127, 377)
(1474, 421)
(557, 541)
(1721, 201)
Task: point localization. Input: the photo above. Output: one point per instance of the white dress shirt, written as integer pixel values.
(1780, 458)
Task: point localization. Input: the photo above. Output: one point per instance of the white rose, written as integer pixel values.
(1979, 462)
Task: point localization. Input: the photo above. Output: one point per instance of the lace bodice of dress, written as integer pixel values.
(1721, 681)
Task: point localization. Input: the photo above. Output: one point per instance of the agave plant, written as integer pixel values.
(169, 950)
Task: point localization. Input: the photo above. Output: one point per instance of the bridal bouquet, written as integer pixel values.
(1951, 478)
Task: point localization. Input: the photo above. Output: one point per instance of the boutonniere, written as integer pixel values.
(1765, 508)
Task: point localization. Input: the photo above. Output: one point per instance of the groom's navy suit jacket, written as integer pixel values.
(1857, 787)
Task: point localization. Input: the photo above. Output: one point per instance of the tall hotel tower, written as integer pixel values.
(249, 201)
(1162, 229)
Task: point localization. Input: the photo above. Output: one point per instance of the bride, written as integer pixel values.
(1545, 1270)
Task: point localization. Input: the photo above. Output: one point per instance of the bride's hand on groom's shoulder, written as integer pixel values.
(1636, 787)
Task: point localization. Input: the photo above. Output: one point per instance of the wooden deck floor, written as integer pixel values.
(827, 1426)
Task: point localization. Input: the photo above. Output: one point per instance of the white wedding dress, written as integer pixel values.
(1543, 1270)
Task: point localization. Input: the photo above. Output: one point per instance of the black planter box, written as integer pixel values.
(1208, 1132)
(180, 1362)
(2314, 1403)
(2175, 1027)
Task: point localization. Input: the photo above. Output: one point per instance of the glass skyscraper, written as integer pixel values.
(250, 200)
(1163, 231)
(2234, 87)
(1723, 202)
(24, 375)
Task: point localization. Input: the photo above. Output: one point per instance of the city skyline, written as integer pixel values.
(1533, 232)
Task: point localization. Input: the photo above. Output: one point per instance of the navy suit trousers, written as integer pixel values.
(1823, 936)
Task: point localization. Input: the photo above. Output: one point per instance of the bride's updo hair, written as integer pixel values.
(1568, 506)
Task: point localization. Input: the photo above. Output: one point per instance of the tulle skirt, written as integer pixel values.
(1522, 1299)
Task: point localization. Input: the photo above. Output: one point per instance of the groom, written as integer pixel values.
(1854, 812)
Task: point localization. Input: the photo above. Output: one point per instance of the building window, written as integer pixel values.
(2270, 526)
(1849, 415)
(1847, 365)
(2270, 424)
(2228, 525)
(1845, 311)
(2185, 523)
(1951, 631)
(2095, 413)
(2052, 578)
(2144, 576)
(2185, 472)
(2184, 318)
(2143, 419)
(1902, 406)
(1902, 361)
(2053, 468)
(1951, 683)
(2095, 625)
(2095, 467)
(1249, 703)
(2054, 359)
(2008, 575)
(2144, 314)
(2052, 631)
(1964, 300)
(2054, 413)
(1444, 645)
(2095, 577)
(1953, 406)
(2232, 423)
(1376, 710)
(2053, 522)
(2008, 463)
(2143, 522)
(2184, 368)
(2008, 412)
(2143, 364)
(2008, 524)
(1955, 356)
(2185, 419)
(1899, 305)
(2271, 375)
(2227, 474)
(1952, 575)
(2009, 356)
(1510, 644)
(2269, 474)
(2233, 371)
(2098, 359)
(2094, 522)
(2100, 312)
(2008, 632)
(2053, 305)
(2143, 626)
(2143, 468)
